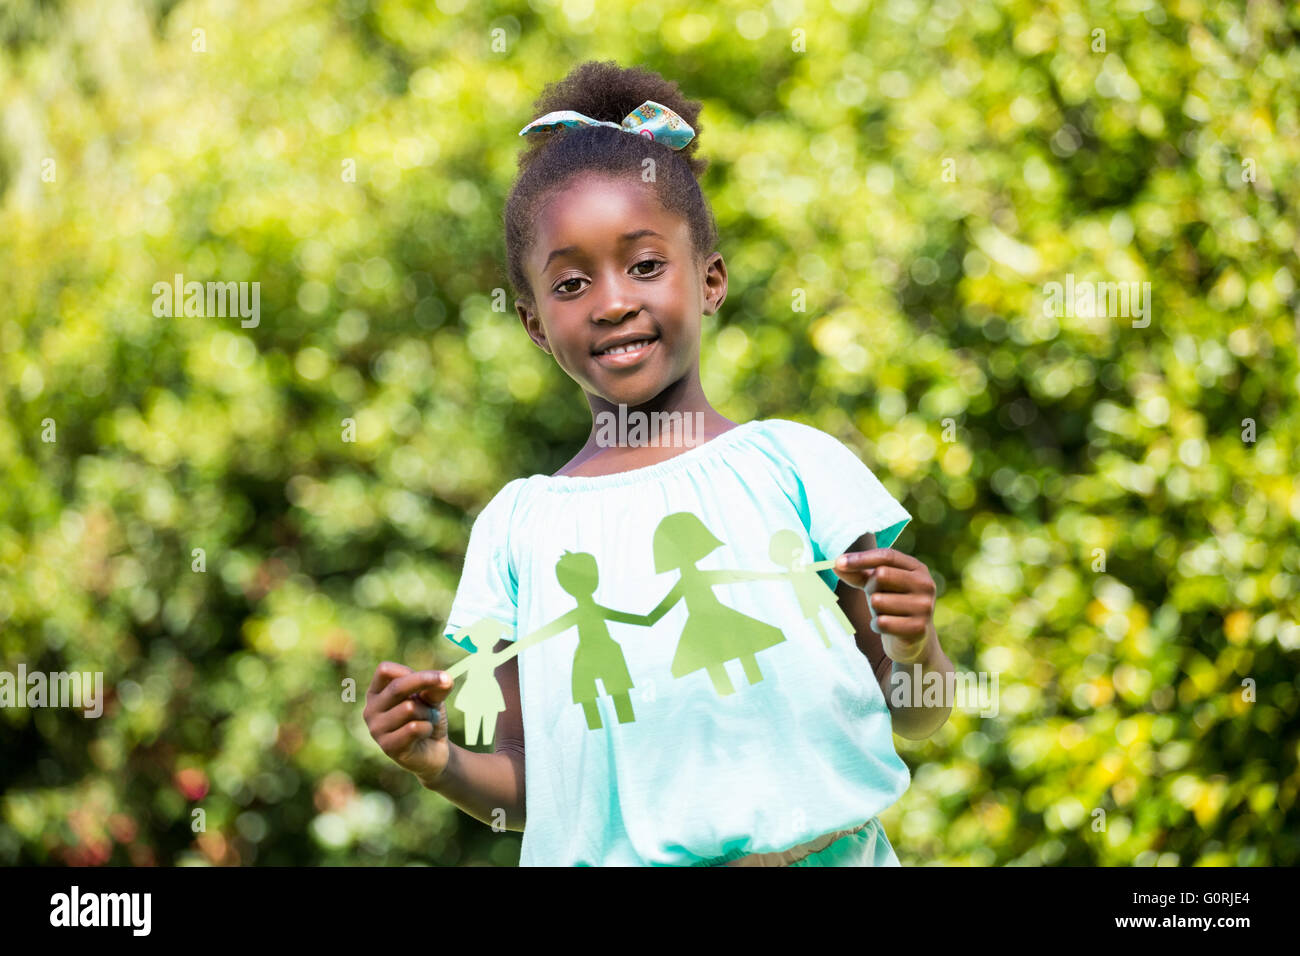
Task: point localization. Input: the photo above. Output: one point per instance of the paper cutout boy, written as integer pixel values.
(598, 655)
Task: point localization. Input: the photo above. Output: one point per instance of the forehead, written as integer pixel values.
(591, 212)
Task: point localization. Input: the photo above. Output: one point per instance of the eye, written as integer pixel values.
(648, 262)
(559, 286)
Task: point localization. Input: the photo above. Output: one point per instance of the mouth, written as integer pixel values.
(626, 354)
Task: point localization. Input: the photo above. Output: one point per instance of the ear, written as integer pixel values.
(715, 283)
(532, 325)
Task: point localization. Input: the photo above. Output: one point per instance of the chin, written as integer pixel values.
(630, 397)
(630, 390)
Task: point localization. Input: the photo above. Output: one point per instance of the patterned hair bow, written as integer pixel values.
(652, 120)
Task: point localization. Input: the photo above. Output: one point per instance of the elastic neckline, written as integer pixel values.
(653, 472)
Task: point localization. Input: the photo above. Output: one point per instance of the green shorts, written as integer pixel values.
(864, 845)
(867, 847)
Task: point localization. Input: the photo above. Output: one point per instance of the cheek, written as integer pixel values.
(571, 357)
(566, 358)
(575, 352)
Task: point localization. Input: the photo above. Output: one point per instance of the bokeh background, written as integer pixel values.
(1110, 511)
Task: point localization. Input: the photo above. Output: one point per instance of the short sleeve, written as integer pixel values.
(839, 498)
(487, 596)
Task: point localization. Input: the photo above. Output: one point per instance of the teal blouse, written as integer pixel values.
(697, 697)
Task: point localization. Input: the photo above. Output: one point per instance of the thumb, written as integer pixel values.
(434, 696)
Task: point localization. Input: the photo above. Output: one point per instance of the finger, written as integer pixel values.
(439, 692)
(404, 712)
(904, 605)
(875, 558)
(402, 738)
(385, 674)
(434, 696)
(409, 684)
(854, 578)
(399, 717)
(889, 578)
(900, 626)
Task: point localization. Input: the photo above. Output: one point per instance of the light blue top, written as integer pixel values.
(696, 777)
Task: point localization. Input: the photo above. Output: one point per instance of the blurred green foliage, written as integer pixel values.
(1032, 450)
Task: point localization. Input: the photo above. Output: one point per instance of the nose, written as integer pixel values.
(618, 303)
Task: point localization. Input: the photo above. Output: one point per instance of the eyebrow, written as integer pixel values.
(626, 237)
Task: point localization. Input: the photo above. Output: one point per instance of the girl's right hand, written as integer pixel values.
(405, 714)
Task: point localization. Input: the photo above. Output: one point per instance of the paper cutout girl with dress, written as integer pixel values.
(814, 596)
(480, 698)
(713, 633)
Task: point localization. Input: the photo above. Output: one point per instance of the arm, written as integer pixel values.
(672, 597)
(558, 626)
(480, 783)
(732, 577)
(623, 617)
(913, 722)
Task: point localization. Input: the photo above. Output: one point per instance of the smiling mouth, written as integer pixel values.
(629, 353)
(626, 347)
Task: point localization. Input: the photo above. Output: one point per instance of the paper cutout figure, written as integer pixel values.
(814, 596)
(713, 634)
(480, 698)
(598, 655)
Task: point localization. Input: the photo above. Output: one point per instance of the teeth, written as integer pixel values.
(629, 347)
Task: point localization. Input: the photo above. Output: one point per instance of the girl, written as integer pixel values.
(746, 739)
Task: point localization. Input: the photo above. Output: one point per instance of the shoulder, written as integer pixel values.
(499, 512)
(797, 441)
(810, 456)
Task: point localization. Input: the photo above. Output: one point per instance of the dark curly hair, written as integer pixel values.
(551, 158)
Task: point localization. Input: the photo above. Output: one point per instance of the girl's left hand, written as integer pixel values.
(900, 588)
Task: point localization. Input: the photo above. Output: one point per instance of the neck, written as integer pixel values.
(684, 396)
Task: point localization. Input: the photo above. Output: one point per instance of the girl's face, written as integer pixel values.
(610, 268)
